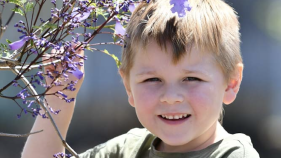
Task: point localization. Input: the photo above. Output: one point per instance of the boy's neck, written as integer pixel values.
(218, 134)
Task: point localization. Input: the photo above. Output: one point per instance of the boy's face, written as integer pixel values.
(190, 93)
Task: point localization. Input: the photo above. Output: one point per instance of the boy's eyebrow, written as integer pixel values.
(191, 71)
(152, 72)
(146, 72)
(205, 73)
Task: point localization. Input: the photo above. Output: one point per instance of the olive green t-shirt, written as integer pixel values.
(140, 143)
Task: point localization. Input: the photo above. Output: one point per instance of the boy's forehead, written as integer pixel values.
(194, 57)
(152, 48)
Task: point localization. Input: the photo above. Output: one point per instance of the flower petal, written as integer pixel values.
(18, 44)
(180, 6)
(119, 29)
(132, 7)
(78, 74)
(80, 17)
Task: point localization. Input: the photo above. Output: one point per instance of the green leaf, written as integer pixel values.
(8, 41)
(4, 49)
(118, 63)
(17, 2)
(50, 26)
(112, 27)
(115, 38)
(18, 10)
(29, 6)
(88, 48)
(31, 43)
(46, 26)
(102, 12)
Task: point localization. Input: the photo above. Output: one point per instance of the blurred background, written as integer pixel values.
(102, 111)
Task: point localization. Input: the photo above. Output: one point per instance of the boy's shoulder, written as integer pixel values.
(126, 145)
(236, 146)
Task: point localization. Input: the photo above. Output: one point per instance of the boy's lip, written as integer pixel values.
(175, 121)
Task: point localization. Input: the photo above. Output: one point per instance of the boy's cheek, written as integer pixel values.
(145, 97)
(204, 98)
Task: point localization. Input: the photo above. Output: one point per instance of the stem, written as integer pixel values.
(19, 135)
(11, 16)
(106, 43)
(101, 26)
(31, 67)
(3, 28)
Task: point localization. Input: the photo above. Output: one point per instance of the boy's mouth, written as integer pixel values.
(175, 117)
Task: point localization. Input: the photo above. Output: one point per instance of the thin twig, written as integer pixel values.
(107, 43)
(18, 135)
(15, 62)
(3, 28)
(31, 67)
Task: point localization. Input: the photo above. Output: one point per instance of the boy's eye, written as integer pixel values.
(152, 80)
(192, 79)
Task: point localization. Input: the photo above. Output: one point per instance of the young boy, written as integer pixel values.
(177, 72)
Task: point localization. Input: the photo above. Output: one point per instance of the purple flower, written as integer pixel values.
(61, 155)
(39, 73)
(62, 94)
(44, 116)
(49, 74)
(18, 44)
(53, 1)
(119, 29)
(180, 6)
(30, 103)
(71, 86)
(71, 66)
(69, 100)
(77, 73)
(22, 94)
(37, 81)
(24, 102)
(15, 83)
(132, 7)
(80, 17)
(117, 7)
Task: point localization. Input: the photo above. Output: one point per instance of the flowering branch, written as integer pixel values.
(43, 106)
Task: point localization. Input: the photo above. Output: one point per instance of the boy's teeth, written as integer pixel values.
(172, 117)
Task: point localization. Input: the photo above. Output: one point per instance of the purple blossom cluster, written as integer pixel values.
(2, 3)
(180, 7)
(63, 22)
(62, 155)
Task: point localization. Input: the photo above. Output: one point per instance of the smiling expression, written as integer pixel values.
(179, 103)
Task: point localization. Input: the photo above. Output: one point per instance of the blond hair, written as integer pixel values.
(210, 25)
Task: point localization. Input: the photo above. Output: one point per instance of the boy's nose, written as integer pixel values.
(171, 95)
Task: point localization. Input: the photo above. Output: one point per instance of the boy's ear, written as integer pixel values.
(128, 89)
(233, 85)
